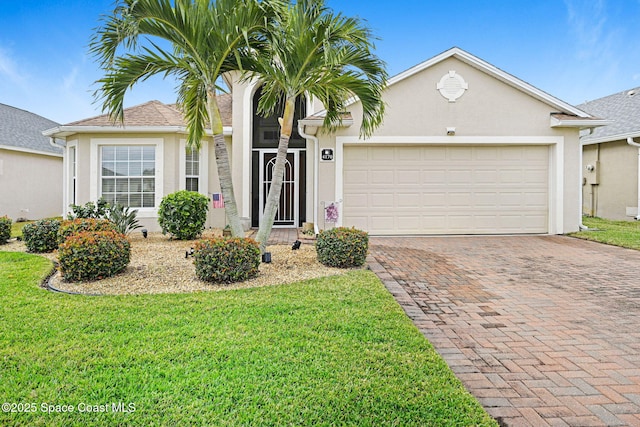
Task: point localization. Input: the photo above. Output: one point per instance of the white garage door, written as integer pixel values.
(446, 189)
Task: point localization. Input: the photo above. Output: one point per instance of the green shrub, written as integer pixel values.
(78, 225)
(41, 236)
(93, 210)
(5, 229)
(222, 260)
(183, 214)
(93, 255)
(342, 247)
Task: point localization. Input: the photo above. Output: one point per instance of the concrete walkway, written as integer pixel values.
(542, 330)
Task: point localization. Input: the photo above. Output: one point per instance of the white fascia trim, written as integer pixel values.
(556, 162)
(318, 123)
(448, 140)
(611, 138)
(63, 131)
(581, 124)
(30, 151)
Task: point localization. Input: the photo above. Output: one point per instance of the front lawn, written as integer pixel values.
(618, 233)
(332, 351)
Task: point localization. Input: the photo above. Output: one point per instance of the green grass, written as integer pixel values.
(332, 351)
(16, 228)
(618, 233)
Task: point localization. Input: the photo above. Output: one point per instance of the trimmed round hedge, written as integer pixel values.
(5, 229)
(41, 236)
(342, 247)
(221, 260)
(93, 255)
(70, 227)
(183, 214)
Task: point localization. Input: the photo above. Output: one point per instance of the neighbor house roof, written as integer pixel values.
(22, 131)
(622, 109)
(152, 116)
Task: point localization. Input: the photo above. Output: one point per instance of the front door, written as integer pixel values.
(289, 208)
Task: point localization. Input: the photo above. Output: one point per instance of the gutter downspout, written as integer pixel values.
(52, 141)
(631, 142)
(581, 226)
(316, 163)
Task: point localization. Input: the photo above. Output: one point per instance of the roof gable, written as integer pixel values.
(22, 130)
(622, 109)
(483, 66)
(495, 72)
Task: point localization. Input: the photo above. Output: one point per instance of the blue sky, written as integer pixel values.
(576, 50)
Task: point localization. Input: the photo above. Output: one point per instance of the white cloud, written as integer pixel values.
(588, 25)
(9, 68)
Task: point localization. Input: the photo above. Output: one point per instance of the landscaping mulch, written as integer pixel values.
(159, 265)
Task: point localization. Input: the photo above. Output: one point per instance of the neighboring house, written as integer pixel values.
(465, 148)
(30, 167)
(611, 176)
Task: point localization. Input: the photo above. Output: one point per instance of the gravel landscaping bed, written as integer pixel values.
(158, 265)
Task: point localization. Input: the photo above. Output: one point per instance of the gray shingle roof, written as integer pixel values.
(622, 108)
(22, 129)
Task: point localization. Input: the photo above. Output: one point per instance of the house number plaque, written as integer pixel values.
(326, 154)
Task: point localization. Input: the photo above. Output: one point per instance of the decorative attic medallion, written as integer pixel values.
(452, 86)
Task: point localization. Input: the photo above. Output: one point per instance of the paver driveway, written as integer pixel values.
(543, 330)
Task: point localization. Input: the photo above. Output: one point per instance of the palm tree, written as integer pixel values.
(312, 51)
(206, 37)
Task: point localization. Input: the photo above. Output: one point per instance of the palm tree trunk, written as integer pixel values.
(224, 167)
(273, 198)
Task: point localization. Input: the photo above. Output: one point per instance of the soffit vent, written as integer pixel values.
(452, 86)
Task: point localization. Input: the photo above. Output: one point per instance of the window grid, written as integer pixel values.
(128, 175)
(192, 170)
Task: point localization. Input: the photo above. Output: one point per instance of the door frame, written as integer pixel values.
(297, 154)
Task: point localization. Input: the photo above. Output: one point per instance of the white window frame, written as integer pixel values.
(203, 163)
(95, 189)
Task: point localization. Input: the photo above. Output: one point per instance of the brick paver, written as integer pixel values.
(542, 330)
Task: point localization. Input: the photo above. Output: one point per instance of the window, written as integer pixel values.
(128, 175)
(192, 170)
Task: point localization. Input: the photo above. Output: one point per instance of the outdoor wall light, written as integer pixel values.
(144, 233)
(451, 131)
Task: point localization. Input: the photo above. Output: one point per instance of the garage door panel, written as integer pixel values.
(536, 176)
(459, 199)
(434, 177)
(447, 189)
(382, 154)
(407, 177)
(382, 176)
(459, 153)
(485, 176)
(355, 177)
(407, 200)
(459, 176)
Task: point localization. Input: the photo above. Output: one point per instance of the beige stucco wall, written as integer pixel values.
(489, 108)
(169, 168)
(617, 187)
(30, 185)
